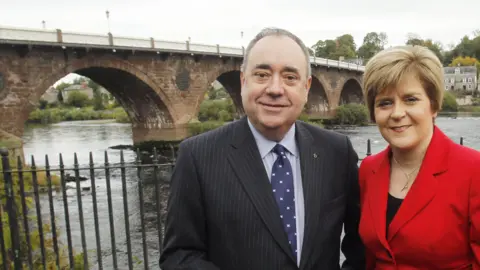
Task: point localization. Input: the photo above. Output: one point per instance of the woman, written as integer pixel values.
(420, 197)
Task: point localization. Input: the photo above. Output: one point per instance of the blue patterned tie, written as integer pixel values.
(282, 187)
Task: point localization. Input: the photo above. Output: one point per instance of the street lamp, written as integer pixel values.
(241, 37)
(108, 19)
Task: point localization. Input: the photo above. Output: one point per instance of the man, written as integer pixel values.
(267, 191)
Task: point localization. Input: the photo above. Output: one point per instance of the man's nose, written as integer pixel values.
(275, 86)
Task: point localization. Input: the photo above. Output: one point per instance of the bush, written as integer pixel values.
(449, 102)
(55, 115)
(217, 110)
(351, 114)
(201, 127)
(78, 99)
(121, 115)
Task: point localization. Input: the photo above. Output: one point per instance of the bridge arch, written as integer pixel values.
(351, 92)
(145, 103)
(230, 80)
(318, 102)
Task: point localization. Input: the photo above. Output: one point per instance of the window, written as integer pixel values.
(470, 79)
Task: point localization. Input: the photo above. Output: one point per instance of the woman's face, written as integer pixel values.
(404, 115)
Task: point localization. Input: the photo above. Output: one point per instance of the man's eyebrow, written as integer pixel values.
(291, 69)
(285, 69)
(263, 66)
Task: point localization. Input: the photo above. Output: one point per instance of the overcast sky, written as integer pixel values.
(221, 21)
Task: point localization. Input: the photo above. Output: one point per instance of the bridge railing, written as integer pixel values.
(29, 36)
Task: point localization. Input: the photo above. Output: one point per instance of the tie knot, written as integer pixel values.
(279, 150)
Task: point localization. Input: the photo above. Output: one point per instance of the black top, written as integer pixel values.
(393, 204)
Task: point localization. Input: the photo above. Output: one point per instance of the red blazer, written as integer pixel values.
(438, 224)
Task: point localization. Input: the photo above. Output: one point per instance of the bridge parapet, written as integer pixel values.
(29, 36)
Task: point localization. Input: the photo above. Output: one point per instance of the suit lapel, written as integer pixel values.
(247, 164)
(378, 195)
(425, 186)
(311, 162)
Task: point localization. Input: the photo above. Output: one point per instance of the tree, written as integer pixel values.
(373, 42)
(342, 46)
(60, 87)
(345, 46)
(466, 61)
(324, 49)
(449, 103)
(435, 47)
(77, 99)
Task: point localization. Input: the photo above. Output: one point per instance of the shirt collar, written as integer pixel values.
(265, 145)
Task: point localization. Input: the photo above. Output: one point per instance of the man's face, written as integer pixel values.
(275, 84)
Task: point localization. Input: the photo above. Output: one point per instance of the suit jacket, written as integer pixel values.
(438, 224)
(222, 213)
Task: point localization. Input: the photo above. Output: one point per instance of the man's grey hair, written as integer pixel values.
(272, 31)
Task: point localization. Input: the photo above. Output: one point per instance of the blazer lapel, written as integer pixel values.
(378, 195)
(425, 186)
(311, 161)
(247, 164)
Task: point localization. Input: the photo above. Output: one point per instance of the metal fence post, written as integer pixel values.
(11, 209)
(369, 148)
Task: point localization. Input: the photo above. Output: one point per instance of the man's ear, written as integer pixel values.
(242, 79)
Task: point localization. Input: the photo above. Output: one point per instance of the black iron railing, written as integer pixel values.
(134, 193)
(31, 238)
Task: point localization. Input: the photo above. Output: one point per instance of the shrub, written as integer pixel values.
(351, 114)
(449, 102)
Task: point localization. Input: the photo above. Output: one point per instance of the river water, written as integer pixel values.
(82, 137)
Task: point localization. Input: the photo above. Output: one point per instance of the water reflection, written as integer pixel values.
(79, 137)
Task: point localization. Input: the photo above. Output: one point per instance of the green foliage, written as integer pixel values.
(351, 114)
(449, 102)
(42, 104)
(342, 46)
(303, 117)
(28, 185)
(373, 42)
(476, 101)
(55, 115)
(121, 115)
(201, 127)
(77, 99)
(217, 110)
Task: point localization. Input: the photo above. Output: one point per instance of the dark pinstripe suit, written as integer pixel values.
(222, 214)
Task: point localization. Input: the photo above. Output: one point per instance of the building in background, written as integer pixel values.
(461, 78)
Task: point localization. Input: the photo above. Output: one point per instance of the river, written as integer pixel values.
(82, 137)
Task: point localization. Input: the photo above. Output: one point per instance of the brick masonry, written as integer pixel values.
(160, 92)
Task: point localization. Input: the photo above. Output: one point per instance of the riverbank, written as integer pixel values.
(62, 114)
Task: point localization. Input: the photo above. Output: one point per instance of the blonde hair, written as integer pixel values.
(389, 67)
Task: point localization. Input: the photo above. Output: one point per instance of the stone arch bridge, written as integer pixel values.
(159, 83)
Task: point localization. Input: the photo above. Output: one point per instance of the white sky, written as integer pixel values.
(221, 21)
